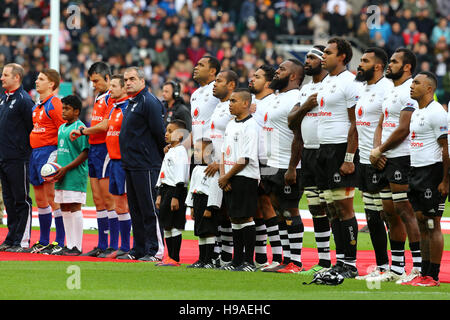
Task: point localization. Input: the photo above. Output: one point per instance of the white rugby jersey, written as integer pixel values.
(311, 120)
(368, 111)
(397, 100)
(427, 125)
(241, 141)
(339, 93)
(203, 104)
(174, 168)
(277, 135)
(262, 107)
(219, 120)
(202, 184)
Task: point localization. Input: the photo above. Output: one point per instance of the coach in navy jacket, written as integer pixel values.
(142, 149)
(16, 123)
(142, 133)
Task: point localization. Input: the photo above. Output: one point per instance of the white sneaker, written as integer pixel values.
(269, 266)
(260, 266)
(387, 276)
(414, 273)
(373, 274)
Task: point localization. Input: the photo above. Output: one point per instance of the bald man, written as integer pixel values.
(428, 185)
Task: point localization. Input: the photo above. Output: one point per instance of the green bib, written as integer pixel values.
(75, 179)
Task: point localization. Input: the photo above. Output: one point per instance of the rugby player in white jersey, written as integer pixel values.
(203, 101)
(370, 180)
(391, 153)
(226, 82)
(239, 178)
(338, 144)
(280, 179)
(303, 117)
(266, 220)
(429, 174)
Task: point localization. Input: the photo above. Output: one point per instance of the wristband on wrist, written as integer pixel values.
(81, 131)
(349, 157)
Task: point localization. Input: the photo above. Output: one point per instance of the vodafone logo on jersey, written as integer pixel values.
(387, 124)
(323, 113)
(228, 154)
(215, 135)
(228, 151)
(266, 117)
(360, 112)
(359, 115)
(195, 116)
(413, 143)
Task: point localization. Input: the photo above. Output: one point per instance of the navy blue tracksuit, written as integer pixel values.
(142, 149)
(16, 123)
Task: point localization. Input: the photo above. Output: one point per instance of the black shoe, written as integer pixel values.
(196, 265)
(149, 258)
(209, 266)
(229, 267)
(115, 254)
(51, 248)
(246, 267)
(349, 272)
(106, 253)
(216, 263)
(17, 249)
(36, 248)
(93, 253)
(4, 246)
(72, 252)
(126, 256)
(337, 268)
(58, 251)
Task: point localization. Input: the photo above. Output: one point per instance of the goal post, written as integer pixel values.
(53, 33)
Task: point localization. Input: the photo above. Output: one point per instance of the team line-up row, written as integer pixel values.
(255, 151)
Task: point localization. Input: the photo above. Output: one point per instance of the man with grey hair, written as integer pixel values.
(142, 149)
(16, 123)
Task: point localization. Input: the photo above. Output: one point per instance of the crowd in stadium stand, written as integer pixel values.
(168, 37)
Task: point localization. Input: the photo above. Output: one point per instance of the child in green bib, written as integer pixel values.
(71, 178)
